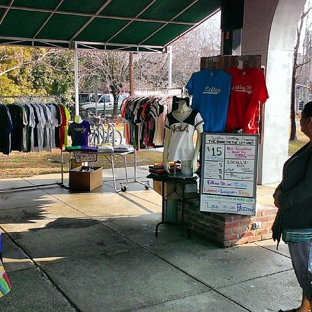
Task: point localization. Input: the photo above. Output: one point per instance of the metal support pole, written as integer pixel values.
(169, 51)
(131, 73)
(76, 80)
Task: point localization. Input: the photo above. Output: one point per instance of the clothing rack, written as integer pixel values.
(8, 99)
(225, 62)
(144, 119)
(21, 123)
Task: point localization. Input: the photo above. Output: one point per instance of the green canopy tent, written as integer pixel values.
(121, 25)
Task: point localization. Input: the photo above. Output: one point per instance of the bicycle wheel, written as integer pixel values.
(101, 134)
(116, 139)
(91, 136)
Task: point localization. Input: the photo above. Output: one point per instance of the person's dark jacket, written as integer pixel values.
(295, 202)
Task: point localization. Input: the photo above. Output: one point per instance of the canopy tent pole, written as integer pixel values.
(76, 80)
(131, 73)
(169, 51)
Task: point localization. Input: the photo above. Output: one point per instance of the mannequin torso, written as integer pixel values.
(183, 111)
(179, 130)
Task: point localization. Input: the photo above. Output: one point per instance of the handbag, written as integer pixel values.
(5, 285)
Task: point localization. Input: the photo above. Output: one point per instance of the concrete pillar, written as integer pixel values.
(270, 30)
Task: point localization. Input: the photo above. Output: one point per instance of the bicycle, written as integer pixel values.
(99, 135)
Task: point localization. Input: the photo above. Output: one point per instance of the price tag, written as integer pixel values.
(214, 152)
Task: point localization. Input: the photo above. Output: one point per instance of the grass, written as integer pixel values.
(19, 165)
(295, 145)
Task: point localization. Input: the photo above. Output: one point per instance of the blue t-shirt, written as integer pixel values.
(210, 90)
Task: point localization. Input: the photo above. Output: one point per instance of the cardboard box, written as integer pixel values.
(157, 186)
(74, 164)
(174, 190)
(80, 180)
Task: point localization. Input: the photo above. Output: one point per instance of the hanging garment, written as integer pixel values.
(248, 89)
(30, 136)
(210, 90)
(17, 131)
(6, 127)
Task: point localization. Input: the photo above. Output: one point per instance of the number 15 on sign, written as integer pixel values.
(214, 152)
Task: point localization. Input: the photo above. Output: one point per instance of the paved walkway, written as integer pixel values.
(97, 251)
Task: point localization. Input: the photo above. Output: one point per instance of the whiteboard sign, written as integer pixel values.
(229, 171)
(85, 157)
(228, 187)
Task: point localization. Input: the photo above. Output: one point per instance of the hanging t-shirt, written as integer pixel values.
(181, 145)
(210, 90)
(79, 133)
(247, 90)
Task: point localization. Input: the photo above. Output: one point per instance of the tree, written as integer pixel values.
(297, 71)
(151, 70)
(52, 73)
(34, 71)
(105, 71)
(202, 41)
(13, 74)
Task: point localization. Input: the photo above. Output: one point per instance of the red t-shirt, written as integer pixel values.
(248, 88)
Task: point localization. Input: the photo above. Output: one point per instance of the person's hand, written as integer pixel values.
(275, 196)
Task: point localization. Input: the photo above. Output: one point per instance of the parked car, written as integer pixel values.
(104, 106)
(83, 99)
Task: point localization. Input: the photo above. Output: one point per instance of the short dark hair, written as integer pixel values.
(307, 109)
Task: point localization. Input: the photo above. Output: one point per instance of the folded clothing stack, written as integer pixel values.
(159, 168)
(105, 149)
(81, 148)
(123, 148)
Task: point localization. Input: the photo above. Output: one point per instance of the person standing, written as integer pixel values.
(293, 222)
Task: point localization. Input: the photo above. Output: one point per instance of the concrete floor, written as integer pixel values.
(97, 251)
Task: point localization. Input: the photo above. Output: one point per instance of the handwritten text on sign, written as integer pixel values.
(224, 187)
(229, 171)
(85, 157)
(230, 139)
(237, 205)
